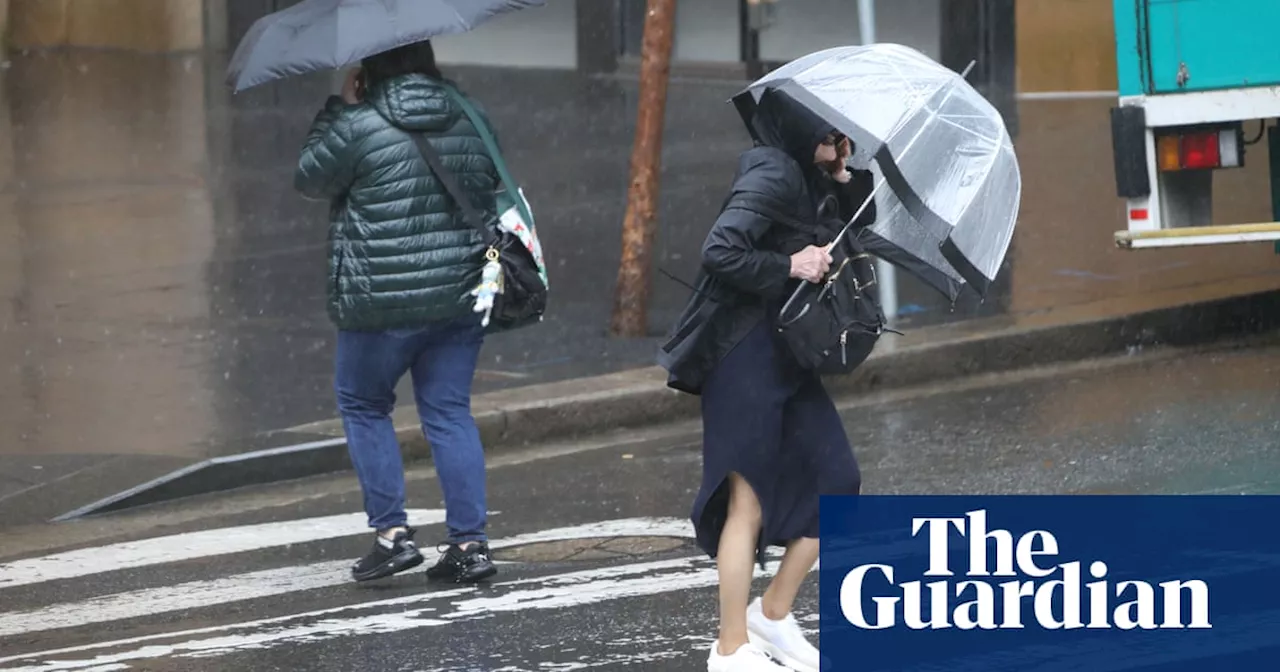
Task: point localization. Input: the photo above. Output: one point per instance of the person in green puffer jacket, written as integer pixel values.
(403, 262)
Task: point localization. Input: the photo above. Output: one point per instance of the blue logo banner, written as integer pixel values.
(1050, 583)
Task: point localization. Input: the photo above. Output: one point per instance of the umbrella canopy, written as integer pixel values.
(324, 34)
(940, 146)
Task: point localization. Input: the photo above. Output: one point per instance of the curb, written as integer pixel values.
(515, 418)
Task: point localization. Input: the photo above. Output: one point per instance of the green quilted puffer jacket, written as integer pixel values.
(401, 254)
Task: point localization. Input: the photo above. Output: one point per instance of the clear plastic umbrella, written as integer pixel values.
(943, 150)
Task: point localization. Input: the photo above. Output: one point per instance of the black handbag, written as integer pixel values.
(832, 327)
(522, 295)
(829, 327)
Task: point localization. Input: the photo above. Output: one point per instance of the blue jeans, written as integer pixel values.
(442, 361)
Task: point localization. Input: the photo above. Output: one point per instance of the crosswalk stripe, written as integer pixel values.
(573, 589)
(190, 595)
(191, 545)
(272, 582)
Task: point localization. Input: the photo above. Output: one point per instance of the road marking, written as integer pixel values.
(190, 595)
(625, 527)
(574, 589)
(272, 582)
(191, 545)
(565, 591)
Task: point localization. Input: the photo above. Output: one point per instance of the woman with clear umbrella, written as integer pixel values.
(772, 439)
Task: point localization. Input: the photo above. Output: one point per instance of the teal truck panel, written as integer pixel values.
(1130, 21)
(1224, 44)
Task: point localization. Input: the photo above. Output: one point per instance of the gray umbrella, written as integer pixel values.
(324, 34)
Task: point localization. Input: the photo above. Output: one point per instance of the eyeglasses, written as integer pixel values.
(833, 140)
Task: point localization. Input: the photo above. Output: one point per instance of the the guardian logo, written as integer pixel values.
(971, 604)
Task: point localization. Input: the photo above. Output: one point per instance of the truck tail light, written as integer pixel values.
(1170, 152)
(1199, 149)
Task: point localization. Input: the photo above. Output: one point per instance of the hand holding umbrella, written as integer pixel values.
(353, 86)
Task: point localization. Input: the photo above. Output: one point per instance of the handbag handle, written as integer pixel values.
(446, 178)
(491, 144)
(795, 296)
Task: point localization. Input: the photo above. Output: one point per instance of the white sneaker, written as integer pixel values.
(784, 640)
(746, 659)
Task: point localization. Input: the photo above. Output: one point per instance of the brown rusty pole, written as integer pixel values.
(631, 300)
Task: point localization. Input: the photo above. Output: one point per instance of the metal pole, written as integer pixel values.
(749, 39)
(867, 21)
(886, 272)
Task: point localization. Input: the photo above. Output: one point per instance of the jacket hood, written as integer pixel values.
(781, 122)
(414, 103)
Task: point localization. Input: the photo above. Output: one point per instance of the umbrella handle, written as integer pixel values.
(795, 296)
(783, 322)
(804, 311)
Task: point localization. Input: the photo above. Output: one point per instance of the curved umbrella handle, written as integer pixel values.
(782, 321)
(795, 296)
(824, 287)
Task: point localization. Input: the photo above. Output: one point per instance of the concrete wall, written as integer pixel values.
(545, 37)
(707, 30)
(4, 25)
(141, 25)
(1066, 45)
(70, 284)
(805, 26)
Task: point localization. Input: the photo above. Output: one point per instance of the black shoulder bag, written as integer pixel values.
(832, 327)
(829, 327)
(522, 296)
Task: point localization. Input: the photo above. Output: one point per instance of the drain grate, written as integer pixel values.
(582, 550)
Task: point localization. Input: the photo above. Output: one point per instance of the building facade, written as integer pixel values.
(602, 35)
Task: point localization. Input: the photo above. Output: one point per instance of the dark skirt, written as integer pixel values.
(774, 424)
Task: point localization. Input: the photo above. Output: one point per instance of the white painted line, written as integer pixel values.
(191, 545)
(563, 591)
(280, 581)
(190, 595)
(626, 527)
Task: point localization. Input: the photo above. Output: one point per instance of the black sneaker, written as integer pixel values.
(389, 556)
(459, 566)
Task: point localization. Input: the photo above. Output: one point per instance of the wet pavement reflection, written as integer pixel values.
(162, 286)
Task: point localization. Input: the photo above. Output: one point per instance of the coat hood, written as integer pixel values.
(414, 103)
(781, 122)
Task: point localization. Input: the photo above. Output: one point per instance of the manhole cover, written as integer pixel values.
(606, 548)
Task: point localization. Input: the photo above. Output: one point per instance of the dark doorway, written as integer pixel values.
(984, 31)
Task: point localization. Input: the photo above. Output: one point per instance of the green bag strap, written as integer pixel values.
(492, 145)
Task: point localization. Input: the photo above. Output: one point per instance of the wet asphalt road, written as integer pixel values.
(1158, 423)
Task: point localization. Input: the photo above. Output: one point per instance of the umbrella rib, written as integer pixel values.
(971, 131)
